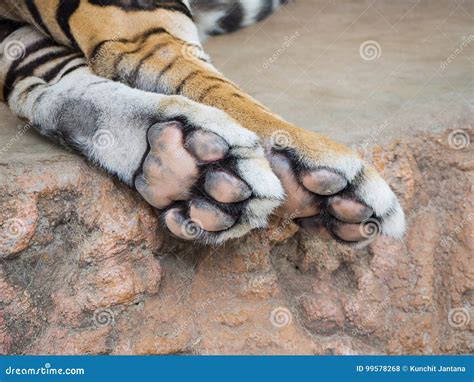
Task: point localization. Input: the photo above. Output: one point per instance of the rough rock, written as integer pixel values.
(85, 268)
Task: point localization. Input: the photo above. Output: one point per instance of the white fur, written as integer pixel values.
(251, 10)
(102, 109)
(373, 190)
(376, 193)
(118, 122)
(394, 225)
(252, 166)
(124, 114)
(207, 21)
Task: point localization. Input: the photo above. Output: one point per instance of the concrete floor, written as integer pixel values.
(306, 63)
(320, 81)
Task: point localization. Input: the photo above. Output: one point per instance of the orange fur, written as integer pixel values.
(120, 33)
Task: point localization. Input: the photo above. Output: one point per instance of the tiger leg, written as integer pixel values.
(155, 46)
(205, 173)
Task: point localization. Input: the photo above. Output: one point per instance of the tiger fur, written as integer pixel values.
(134, 67)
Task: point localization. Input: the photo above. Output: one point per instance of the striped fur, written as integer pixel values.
(155, 46)
(214, 17)
(108, 122)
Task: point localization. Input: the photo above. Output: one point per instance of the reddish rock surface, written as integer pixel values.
(85, 268)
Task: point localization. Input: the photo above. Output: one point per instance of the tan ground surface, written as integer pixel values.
(320, 81)
(84, 267)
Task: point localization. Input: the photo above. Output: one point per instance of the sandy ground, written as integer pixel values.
(306, 62)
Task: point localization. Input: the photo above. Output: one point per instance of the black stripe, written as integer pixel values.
(266, 10)
(100, 82)
(53, 72)
(97, 49)
(11, 75)
(28, 69)
(73, 68)
(64, 12)
(123, 54)
(233, 19)
(119, 57)
(167, 67)
(7, 27)
(30, 88)
(132, 78)
(137, 5)
(140, 38)
(33, 9)
(185, 79)
(149, 33)
(207, 91)
(212, 78)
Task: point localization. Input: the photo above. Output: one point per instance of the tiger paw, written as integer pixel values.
(330, 191)
(208, 177)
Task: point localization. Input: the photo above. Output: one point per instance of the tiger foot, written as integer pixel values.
(332, 192)
(211, 180)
